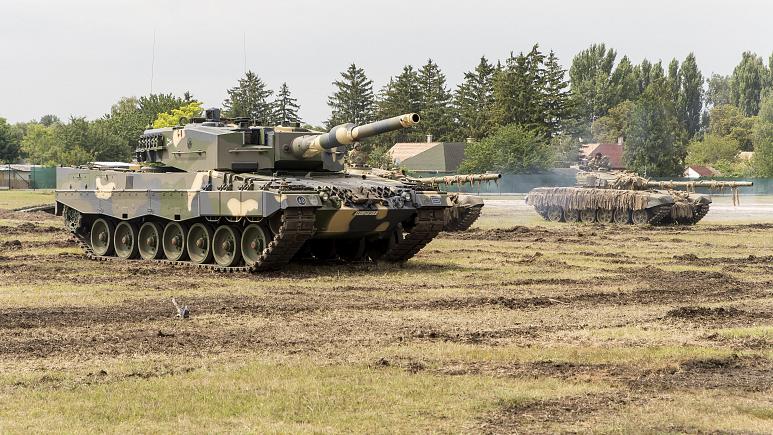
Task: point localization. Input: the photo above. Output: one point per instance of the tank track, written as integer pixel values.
(428, 224)
(700, 213)
(659, 214)
(469, 216)
(297, 227)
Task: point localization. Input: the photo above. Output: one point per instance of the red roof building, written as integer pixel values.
(698, 171)
(613, 151)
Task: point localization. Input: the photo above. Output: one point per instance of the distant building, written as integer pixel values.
(746, 155)
(431, 157)
(698, 171)
(613, 151)
(17, 176)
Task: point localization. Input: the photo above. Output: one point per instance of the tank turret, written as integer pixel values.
(215, 143)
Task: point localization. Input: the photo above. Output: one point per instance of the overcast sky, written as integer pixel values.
(78, 57)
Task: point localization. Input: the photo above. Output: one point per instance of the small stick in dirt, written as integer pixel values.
(183, 312)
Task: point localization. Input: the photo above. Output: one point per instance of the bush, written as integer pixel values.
(513, 149)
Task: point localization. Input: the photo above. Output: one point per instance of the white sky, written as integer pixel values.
(78, 57)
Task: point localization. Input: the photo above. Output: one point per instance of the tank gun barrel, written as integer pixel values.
(458, 179)
(700, 183)
(346, 134)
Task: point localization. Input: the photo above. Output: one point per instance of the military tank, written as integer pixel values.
(465, 208)
(227, 195)
(622, 197)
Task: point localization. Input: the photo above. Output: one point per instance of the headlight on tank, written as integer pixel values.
(406, 195)
(324, 196)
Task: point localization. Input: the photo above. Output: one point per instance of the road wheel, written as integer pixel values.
(571, 215)
(640, 217)
(102, 231)
(149, 241)
(226, 246)
(555, 214)
(588, 215)
(126, 240)
(173, 241)
(622, 216)
(254, 240)
(199, 243)
(604, 216)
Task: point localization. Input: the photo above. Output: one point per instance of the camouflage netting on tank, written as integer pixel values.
(683, 207)
(629, 181)
(579, 199)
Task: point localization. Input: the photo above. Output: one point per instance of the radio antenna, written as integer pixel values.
(244, 46)
(153, 61)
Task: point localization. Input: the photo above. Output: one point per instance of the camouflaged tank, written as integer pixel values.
(624, 198)
(465, 208)
(226, 195)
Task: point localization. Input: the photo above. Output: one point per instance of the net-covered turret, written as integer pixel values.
(623, 197)
(224, 194)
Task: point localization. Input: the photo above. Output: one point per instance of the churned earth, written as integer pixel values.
(517, 325)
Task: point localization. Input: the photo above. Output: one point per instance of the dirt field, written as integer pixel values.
(518, 325)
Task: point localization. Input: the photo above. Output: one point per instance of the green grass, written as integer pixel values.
(265, 397)
(11, 199)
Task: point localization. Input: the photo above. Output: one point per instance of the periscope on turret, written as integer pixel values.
(226, 194)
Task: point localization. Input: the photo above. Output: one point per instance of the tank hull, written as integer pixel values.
(328, 217)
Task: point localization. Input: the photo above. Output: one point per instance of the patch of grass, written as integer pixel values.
(267, 397)
(749, 332)
(11, 199)
(691, 412)
(638, 356)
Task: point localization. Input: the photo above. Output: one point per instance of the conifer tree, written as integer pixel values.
(435, 108)
(474, 100)
(555, 102)
(401, 95)
(353, 99)
(285, 107)
(249, 99)
(519, 91)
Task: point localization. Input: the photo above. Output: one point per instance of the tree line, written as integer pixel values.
(520, 114)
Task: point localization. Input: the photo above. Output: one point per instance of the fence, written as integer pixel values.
(522, 183)
(27, 177)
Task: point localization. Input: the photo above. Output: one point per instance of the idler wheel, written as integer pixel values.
(149, 241)
(254, 240)
(126, 240)
(102, 231)
(622, 216)
(173, 241)
(588, 215)
(199, 243)
(226, 246)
